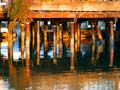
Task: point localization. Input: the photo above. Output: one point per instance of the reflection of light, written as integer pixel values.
(1, 84)
(16, 55)
(4, 43)
(4, 30)
(50, 53)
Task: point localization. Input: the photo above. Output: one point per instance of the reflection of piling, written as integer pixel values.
(38, 42)
(45, 38)
(93, 53)
(54, 42)
(10, 51)
(111, 43)
(22, 41)
(72, 41)
(60, 40)
(27, 40)
(27, 73)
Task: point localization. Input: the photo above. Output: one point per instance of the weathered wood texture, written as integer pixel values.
(76, 6)
(75, 14)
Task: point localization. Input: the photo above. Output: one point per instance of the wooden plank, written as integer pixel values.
(75, 14)
(76, 6)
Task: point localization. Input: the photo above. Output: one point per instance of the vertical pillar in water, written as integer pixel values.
(93, 44)
(79, 37)
(54, 43)
(93, 31)
(22, 40)
(60, 40)
(27, 42)
(99, 34)
(10, 50)
(33, 35)
(72, 42)
(45, 38)
(38, 42)
(111, 43)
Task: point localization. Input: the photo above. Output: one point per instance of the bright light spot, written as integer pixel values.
(4, 29)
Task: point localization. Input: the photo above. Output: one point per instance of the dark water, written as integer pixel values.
(95, 66)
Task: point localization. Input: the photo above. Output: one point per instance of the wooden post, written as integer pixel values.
(38, 42)
(10, 50)
(60, 41)
(22, 40)
(111, 43)
(54, 43)
(33, 35)
(99, 32)
(79, 37)
(45, 38)
(27, 40)
(93, 32)
(72, 42)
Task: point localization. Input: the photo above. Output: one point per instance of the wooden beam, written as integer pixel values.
(73, 14)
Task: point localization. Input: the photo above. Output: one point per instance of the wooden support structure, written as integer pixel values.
(111, 43)
(79, 37)
(54, 43)
(10, 50)
(45, 38)
(33, 35)
(72, 44)
(60, 41)
(27, 41)
(99, 34)
(93, 31)
(38, 42)
(22, 40)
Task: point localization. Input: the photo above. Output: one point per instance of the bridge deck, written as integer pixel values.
(74, 9)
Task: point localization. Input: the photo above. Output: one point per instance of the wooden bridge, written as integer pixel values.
(71, 9)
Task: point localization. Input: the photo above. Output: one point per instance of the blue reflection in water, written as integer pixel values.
(50, 76)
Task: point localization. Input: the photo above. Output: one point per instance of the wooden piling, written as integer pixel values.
(45, 38)
(38, 42)
(93, 31)
(79, 37)
(111, 43)
(22, 40)
(10, 50)
(33, 35)
(99, 34)
(27, 40)
(60, 41)
(72, 42)
(54, 43)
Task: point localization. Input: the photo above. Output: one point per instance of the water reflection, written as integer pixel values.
(58, 64)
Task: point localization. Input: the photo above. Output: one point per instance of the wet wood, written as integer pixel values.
(10, 50)
(72, 44)
(99, 34)
(27, 40)
(45, 38)
(111, 43)
(33, 35)
(54, 43)
(38, 42)
(60, 41)
(22, 40)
